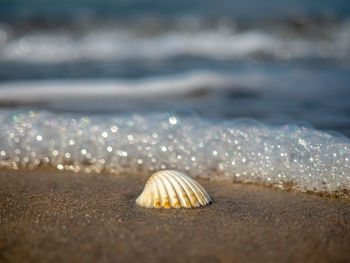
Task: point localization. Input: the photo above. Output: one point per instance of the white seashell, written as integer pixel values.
(172, 189)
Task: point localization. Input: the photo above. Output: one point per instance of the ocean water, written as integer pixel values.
(240, 91)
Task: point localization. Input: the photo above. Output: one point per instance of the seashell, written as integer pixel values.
(172, 189)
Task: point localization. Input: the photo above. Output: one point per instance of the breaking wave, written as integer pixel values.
(220, 42)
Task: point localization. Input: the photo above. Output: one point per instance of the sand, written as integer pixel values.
(50, 216)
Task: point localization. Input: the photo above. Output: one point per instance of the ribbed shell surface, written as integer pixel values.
(172, 189)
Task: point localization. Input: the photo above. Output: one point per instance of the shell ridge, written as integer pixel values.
(206, 195)
(190, 202)
(181, 193)
(166, 203)
(161, 188)
(196, 191)
(202, 190)
(172, 193)
(150, 195)
(156, 201)
(187, 190)
(195, 202)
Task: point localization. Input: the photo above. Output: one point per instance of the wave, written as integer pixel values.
(246, 151)
(271, 95)
(223, 42)
(155, 86)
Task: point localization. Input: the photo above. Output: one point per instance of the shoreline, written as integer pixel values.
(51, 217)
(343, 194)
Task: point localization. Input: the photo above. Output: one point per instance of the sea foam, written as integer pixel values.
(246, 151)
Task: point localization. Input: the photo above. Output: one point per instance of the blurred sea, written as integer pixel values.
(64, 64)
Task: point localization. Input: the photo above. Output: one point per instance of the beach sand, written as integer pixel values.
(49, 216)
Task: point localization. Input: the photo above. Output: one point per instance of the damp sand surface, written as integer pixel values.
(48, 216)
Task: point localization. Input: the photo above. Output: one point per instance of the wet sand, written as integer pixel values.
(47, 216)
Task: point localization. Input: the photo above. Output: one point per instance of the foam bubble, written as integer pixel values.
(243, 150)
